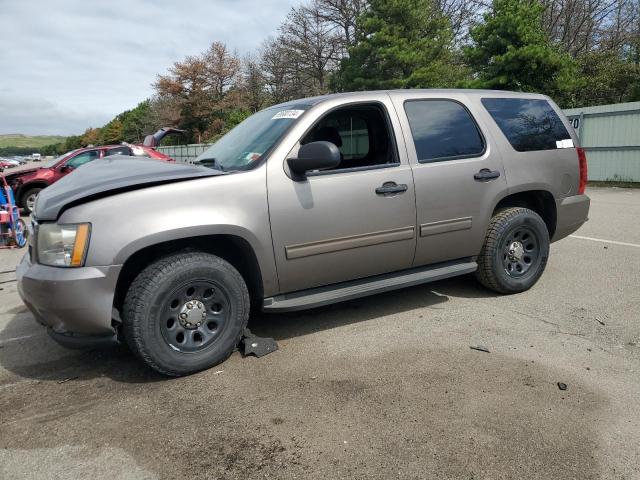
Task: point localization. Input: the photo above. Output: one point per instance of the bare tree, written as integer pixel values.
(222, 67)
(253, 84)
(281, 82)
(342, 16)
(462, 14)
(311, 45)
(581, 26)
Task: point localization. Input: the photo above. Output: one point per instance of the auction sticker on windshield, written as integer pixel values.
(287, 114)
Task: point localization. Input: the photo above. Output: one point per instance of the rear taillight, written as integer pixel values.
(582, 162)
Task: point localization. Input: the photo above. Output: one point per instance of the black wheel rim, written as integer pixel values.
(520, 251)
(194, 316)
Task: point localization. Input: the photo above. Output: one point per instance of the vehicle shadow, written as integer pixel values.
(27, 351)
(430, 296)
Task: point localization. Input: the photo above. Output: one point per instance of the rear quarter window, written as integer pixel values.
(529, 124)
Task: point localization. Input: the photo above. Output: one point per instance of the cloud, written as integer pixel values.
(71, 64)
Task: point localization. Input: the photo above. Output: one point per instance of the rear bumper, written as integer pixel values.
(72, 302)
(572, 213)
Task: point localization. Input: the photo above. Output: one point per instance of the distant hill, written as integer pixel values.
(28, 141)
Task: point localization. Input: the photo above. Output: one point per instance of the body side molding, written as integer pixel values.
(346, 243)
(445, 226)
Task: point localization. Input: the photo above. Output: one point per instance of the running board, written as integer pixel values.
(318, 297)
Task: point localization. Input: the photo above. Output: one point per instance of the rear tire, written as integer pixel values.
(515, 251)
(185, 313)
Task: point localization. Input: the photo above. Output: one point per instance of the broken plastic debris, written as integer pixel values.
(480, 348)
(258, 346)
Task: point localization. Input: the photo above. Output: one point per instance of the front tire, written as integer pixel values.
(29, 199)
(185, 313)
(515, 251)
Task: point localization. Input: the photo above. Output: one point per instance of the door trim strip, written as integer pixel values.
(445, 226)
(346, 243)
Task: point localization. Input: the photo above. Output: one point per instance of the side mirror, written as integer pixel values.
(314, 156)
(66, 169)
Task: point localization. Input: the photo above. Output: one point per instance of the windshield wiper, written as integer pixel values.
(210, 163)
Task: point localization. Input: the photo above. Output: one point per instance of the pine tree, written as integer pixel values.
(400, 44)
(511, 51)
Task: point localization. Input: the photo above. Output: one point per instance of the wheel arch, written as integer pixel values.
(540, 201)
(24, 188)
(232, 248)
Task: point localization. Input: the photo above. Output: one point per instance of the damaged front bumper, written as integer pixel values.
(76, 304)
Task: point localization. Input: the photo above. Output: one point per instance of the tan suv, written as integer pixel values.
(303, 204)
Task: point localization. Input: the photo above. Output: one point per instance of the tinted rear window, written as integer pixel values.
(528, 124)
(442, 130)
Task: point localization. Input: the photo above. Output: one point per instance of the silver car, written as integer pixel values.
(303, 204)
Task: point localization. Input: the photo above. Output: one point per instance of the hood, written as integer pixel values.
(108, 177)
(10, 176)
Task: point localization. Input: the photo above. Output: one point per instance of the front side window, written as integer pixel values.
(528, 124)
(55, 161)
(361, 133)
(442, 130)
(83, 158)
(244, 146)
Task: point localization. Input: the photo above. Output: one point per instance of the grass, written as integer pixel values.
(613, 183)
(28, 141)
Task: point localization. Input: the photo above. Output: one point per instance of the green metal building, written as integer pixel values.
(610, 134)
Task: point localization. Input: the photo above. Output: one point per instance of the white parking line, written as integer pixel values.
(613, 242)
(14, 339)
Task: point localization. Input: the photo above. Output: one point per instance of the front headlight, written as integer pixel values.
(63, 245)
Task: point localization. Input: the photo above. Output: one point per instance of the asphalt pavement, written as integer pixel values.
(382, 387)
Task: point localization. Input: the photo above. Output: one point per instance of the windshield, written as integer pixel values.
(244, 146)
(52, 163)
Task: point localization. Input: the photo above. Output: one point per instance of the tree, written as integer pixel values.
(511, 51)
(341, 16)
(90, 136)
(139, 122)
(462, 15)
(311, 48)
(607, 79)
(198, 86)
(280, 74)
(253, 84)
(111, 133)
(401, 44)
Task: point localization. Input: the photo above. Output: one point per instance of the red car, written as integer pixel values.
(26, 184)
(4, 164)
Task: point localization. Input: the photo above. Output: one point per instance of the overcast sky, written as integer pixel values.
(66, 65)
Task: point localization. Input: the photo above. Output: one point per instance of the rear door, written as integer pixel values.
(458, 174)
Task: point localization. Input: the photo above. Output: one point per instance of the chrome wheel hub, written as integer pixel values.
(516, 251)
(192, 314)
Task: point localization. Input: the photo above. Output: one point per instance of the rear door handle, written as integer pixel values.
(485, 175)
(388, 188)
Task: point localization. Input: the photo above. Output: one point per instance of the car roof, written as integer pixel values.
(311, 101)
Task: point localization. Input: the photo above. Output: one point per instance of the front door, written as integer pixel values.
(458, 174)
(354, 221)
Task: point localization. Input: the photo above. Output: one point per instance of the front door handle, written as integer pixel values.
(484, 175)
(388, 188)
